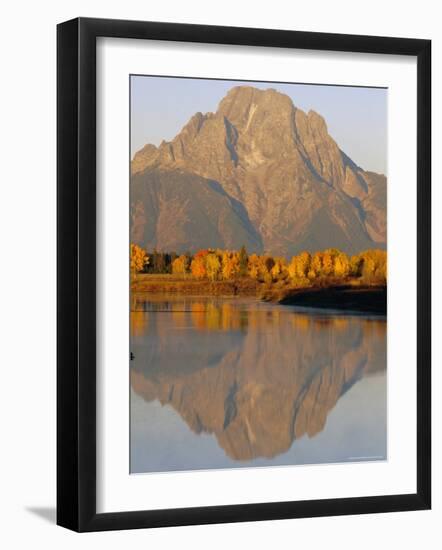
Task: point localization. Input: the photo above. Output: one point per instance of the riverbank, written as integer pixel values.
(171, 284)
(364, 299)
(368, 299)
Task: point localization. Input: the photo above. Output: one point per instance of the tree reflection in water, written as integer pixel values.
(254, 375)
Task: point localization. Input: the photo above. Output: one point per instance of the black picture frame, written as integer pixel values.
(76, 273)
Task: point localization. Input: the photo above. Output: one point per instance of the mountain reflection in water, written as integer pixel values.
(254, 376)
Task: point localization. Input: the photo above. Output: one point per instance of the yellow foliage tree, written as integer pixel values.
(327, 263)
(374, 266)
(213, 266)
(253, 266)
(292, 268)
(304, 261)
(279, 269)
(180, 266)
(341, 265)
(299, 268)
(230, 264)
(266, 264)
(138, 258)
(355, 265)
(382, 266)
(316, 264)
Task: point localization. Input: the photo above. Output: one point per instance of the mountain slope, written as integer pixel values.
(176, 210)
(258, 172)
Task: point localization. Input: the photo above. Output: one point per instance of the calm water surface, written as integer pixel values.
(229, 382)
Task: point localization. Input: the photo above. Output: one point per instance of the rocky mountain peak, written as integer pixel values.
(242, 103)
(143, 158)
(317, 122)
(281, 170)
(194, 125)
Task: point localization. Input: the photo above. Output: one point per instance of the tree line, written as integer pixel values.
(305, 269)
(142, 261)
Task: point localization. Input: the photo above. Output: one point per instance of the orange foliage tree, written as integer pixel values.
(138, 258)
(198, 264)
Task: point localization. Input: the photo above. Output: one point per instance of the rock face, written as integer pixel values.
(258, 172)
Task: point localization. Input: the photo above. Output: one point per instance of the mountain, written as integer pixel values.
(258, 172)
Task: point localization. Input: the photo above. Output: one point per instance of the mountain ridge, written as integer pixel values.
(258, 172)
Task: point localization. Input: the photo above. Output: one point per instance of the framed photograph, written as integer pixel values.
(233, 344)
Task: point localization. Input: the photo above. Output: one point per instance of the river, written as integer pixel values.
(235, 382)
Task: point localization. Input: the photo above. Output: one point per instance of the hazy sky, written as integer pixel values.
(356, 117)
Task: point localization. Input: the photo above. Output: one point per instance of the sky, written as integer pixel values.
(356, 117)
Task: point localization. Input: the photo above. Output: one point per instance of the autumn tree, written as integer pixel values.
(368, 268)
(341, 265)
(316, 265)
(253, 266)
(356, 265)
(260, 268)
(170, 258)
(299, 266)
(279, 269)
(138, 258)
(382, 266)
(303, 264)
(230, 264)
(327, 263)
(180, 265)
(292, 268)
(374, 266)
(198, 265)
(213, 266)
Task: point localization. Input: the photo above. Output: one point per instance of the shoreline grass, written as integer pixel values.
(352, 294)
